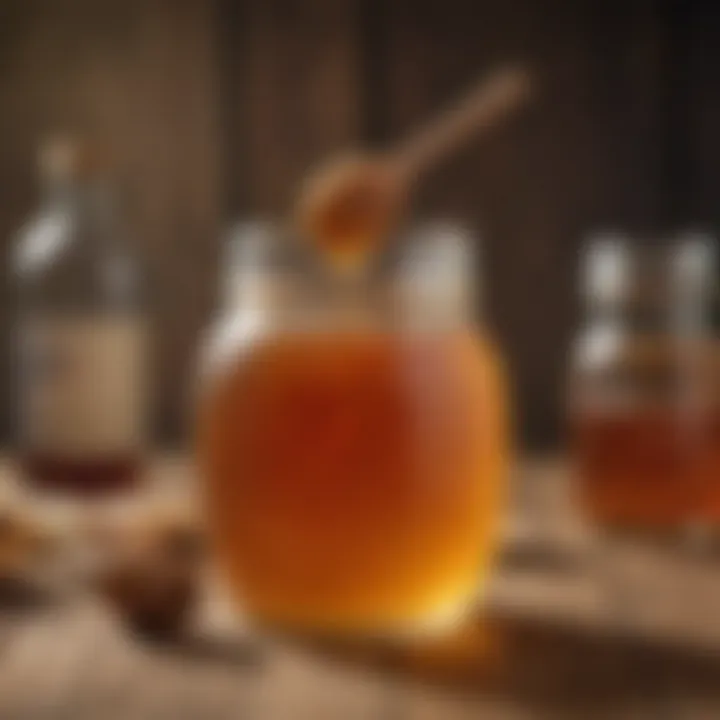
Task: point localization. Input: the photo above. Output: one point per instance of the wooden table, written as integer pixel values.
(631, 631)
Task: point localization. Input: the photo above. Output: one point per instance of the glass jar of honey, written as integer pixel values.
(642, 410)
(351, 437)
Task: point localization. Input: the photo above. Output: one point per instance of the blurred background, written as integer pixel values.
(214, 109)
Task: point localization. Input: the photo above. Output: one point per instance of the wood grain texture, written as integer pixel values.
(141, 76)
(216, 108)
(293, 95)
(701, 115)
(547, 644)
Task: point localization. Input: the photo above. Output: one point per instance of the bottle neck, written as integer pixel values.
(72, 193)
(87, 205)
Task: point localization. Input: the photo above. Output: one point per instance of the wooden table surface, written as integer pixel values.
(567, 631)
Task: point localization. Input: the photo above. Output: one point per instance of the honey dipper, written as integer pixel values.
(348, 207)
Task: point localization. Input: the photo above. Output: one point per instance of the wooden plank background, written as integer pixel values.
(215, 108)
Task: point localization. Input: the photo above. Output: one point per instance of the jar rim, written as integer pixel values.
(429, 268)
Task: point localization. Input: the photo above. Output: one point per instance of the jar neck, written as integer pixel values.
(435, 286)
(281, 302)
(257, 293)
(670, 315)
(434, 308)
(429, 284)
(658, 289)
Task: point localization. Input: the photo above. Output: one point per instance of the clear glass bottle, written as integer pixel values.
(79, 382)
(641, 407)
(352, 439)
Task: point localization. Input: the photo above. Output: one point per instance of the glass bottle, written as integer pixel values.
(352, 438)
(641, 383)
(80, 333)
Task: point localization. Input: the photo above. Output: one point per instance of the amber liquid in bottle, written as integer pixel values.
(711, 505)
(355, 479)
(643, 467)
(711, 496)
(85, 477)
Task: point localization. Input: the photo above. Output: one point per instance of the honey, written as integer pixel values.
(348, 210)
(711, 498)
(83, 476)
(646, 467)
(642, 384)
(355, 479)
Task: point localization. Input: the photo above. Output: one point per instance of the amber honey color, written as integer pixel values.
(711, 504)
(349, 210)
(83, 477)
(710, 508)
(650, 467)
(355, 480)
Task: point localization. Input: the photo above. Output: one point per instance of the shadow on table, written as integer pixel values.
(523, 658)
(25, 597)
(243, 654)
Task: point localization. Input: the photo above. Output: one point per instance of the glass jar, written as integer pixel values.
(641, 405)
(351, 437)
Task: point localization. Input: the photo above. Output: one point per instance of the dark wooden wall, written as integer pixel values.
(217, 107)
(144, 77)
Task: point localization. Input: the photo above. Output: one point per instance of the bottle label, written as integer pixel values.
(81, 385)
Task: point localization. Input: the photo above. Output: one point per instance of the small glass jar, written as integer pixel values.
(641, 401)
(351, 437)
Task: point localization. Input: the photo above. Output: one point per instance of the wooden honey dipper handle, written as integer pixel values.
(488, 104)
(350, 206)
